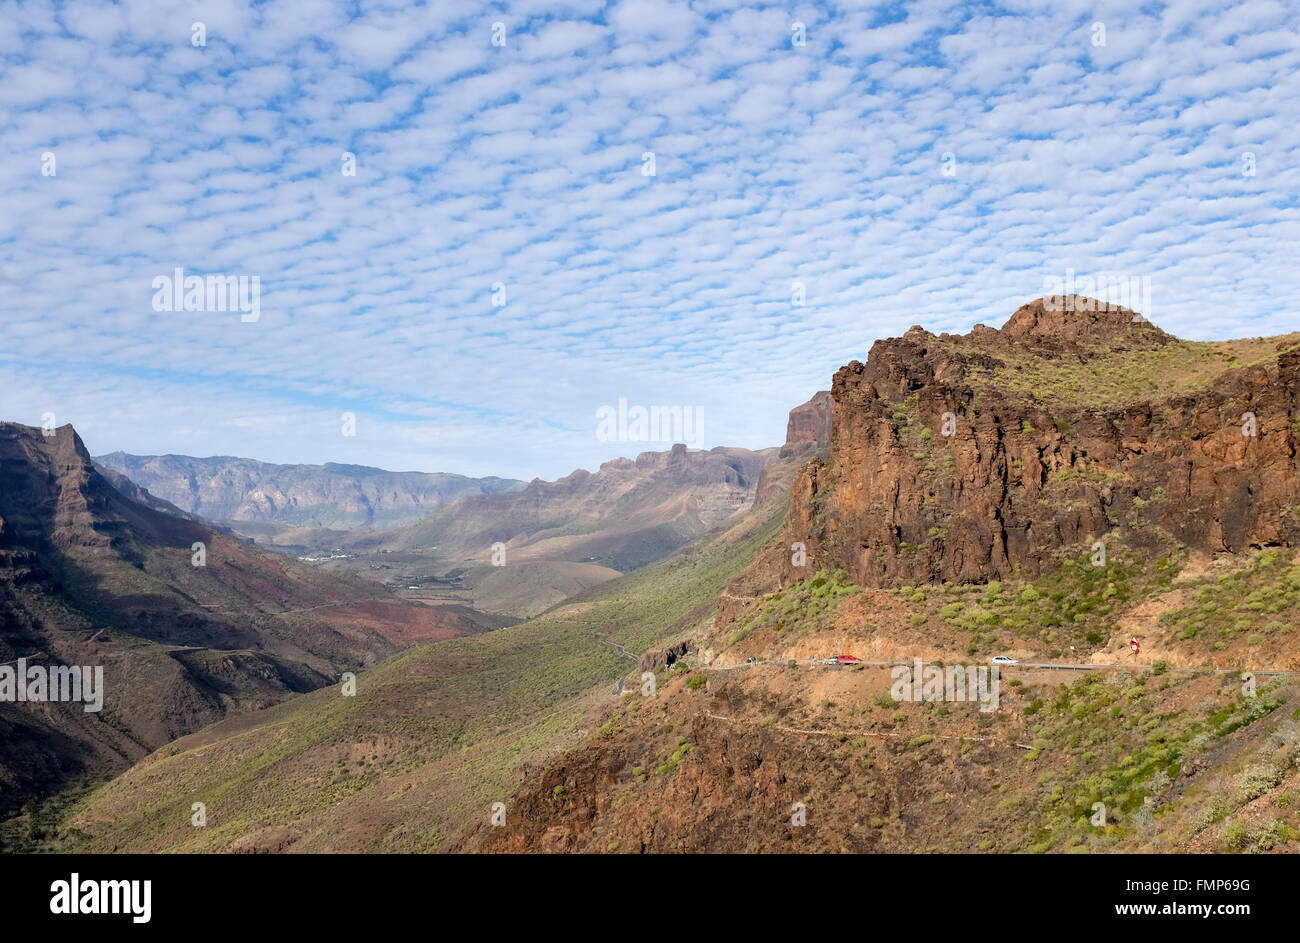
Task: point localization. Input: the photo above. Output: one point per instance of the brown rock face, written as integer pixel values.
(809, 428)
(807, 435)
(969, 458)
(655, 659)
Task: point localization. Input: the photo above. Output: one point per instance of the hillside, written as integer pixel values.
(952, 551)
(625, 515)
(519, 553)
(436, 735)
(286, 503)
(723, 760)
(432, 738)
(90, 575)
(1051, 526)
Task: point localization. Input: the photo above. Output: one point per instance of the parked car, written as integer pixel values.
(1002, 660)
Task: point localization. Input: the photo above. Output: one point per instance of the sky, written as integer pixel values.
(475, 226)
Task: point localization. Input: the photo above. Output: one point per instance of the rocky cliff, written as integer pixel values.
(973, 457)
(807, 435)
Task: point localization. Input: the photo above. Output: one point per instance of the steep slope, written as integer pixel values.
(950, 552)
(437, 735)
(240, 491)
(522, 552)
(142, 496)
(89, 576)
(432, 738)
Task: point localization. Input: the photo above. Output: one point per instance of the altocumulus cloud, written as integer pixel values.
(522, 164)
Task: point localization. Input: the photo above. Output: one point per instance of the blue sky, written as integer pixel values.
(522, 164)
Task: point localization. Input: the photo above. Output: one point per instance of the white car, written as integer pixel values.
(1002, 660)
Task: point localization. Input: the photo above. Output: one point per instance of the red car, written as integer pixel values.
(848, 660)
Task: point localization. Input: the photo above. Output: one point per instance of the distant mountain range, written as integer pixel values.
(1107, 513)
(95, 571)
(336, 497)
(432, 537)
(625, 515)
(97, 568)
(519, 553)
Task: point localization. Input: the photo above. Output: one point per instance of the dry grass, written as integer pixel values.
(1107, 378)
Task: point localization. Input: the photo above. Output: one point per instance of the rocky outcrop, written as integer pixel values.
(809, 427)
(946, 464)
(665, 657)
(807, 435)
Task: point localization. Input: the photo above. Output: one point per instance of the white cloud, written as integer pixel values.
(522, 165)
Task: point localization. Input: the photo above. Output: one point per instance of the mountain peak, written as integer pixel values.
(1081, 320)
(995, 453)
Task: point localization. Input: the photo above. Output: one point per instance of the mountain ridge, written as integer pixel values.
(1164, 740)
(1030, 468)
(187, 622)
(521, 552)
(333, 496)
